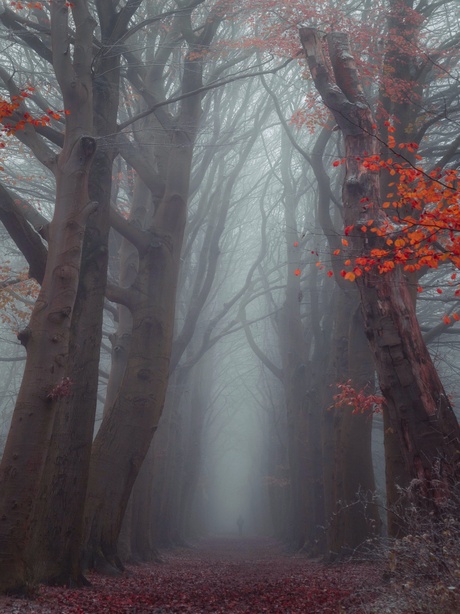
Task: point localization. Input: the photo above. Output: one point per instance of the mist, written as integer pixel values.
(228, 293)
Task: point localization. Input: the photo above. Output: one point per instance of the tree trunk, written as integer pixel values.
(125, 434)
(58, 527)
(127, 430)
(46, 380)
(418, 407)
(47, 343)
(142, 546)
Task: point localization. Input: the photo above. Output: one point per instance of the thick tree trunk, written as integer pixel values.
(47, 339)
(168, 484)
(399, 66)
(418, 407)
(192, 461)
(351, 511)
(47, 342)
(295, 376)
(126, 432)
(358, 518)
(142, 546)
(58, 528)
(127, 429)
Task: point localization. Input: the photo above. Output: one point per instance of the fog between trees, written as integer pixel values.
(175, 320)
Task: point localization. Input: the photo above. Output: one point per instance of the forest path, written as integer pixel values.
(221, 575)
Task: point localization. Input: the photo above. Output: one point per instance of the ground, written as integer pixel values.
(222, 575)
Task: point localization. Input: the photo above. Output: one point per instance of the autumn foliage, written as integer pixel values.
(421, 227)
(361, 400)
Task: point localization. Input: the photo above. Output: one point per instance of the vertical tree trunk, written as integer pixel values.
(351, 511)
(418, 407)
(58, 527)
(47, 337)
(142, 546)
(127, 430)
(293, 350)
(406, 69)
(45, 383)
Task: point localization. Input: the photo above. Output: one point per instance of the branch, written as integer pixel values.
(343, 103)
(200, 90)
(133, 156)
(255, 348)
(27, 135)
(117, 294)
(11, 21)
(139, 238)
(13, 359)
(148, 22)
(26, 239)
(441, 328)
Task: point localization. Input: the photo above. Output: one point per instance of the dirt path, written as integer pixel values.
(225, 575)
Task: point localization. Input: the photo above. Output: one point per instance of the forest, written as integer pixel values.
(230, 306)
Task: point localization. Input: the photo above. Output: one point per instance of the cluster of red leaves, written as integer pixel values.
(422, 225)
(230, 576)
(13, 120)
(27, 5)
(63, 389)
(361, 401)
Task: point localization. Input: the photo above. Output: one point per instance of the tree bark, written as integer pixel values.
(47, 342)
(418, 407)
(58, 527)
(47, 338)
(127, 430)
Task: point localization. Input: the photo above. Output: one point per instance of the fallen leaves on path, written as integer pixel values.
(226, 575)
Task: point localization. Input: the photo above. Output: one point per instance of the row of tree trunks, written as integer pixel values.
(418, 408)
(58, 527)
(126, 432)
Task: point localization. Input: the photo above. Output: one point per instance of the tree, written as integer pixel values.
(58, 523)
(48, 335)
(127, 429)
(419, 410)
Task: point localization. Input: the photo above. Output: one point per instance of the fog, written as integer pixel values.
(196, 324)
(233, 451)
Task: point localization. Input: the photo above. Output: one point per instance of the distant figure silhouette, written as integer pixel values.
(240, 523)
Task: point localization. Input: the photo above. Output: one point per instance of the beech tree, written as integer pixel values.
(419, 409)
(47, 337)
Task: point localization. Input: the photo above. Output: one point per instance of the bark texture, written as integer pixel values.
(128, 426)
(47, 343)
(418, 407)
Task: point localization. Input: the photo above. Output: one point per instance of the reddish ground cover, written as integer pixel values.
(225, 575)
